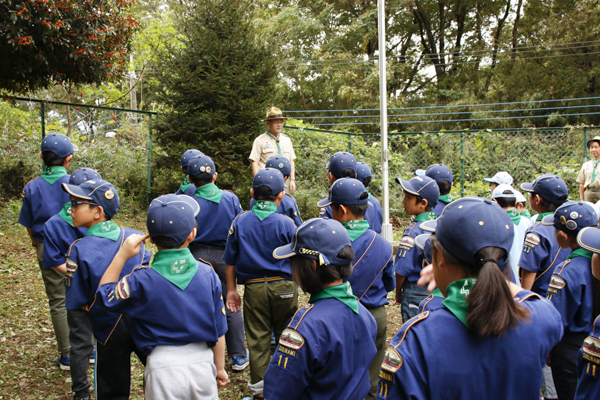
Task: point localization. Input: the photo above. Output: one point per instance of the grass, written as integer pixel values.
(27, 362)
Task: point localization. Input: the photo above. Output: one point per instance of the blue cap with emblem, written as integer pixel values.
(439, 172)
(281, 163)
(422, 186)
(341, 161)
(589, 239)
(172, 216)
(201, 167)
(187, 156)
(59, 144)
(572, 217)
(362, 171)
(101, 192)
(469, 224)
(271, 178)
(83, 174)
(347, 191)
(319, 239)
(549, 187)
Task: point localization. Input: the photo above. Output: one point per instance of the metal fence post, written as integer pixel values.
(462, 165)
(149, 178)
(43, 115)
(585, 152)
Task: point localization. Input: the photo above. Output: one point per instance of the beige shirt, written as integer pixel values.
(585, 175)
(265, 147)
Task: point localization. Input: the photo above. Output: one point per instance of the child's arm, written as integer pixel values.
(527, 279)
(219, 358)
(131, 248)
(33, 241)
(233, 297)
(61, 268)
(399, 283)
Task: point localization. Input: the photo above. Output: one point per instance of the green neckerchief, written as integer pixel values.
(52, 174)
(356, 228)
(264, 208)
(580, 253)
(106, 229)
(437, 293)
(209, 192)
(526, 213)
(446, 198)
(178, 266)
(426, 216)
(185, 184)
(515, 216)
(368, 194)
(456, 298)
(276, 141)
(542, 215)
(341, 292)
(595, 164)
(65, 214)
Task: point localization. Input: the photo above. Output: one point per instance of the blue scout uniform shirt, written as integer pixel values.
(288, 206)
(377, 218)
(570, 291)
(409, 258)
(163, 314)
(421, 364)
(324, 353)
(87, 260)
(370, 215)
(250, 246)
(42, 201)
(432, 302)
(373, 270)
(439, 207)
(541, 254)
(588, 366)
(59, 234)
(215, 218)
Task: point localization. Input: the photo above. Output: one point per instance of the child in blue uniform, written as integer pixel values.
(363, 174)
(435, 298)
(93, 205)
(185, 159)
(570, 291)
(487, 326)
(176, 308)
(59, 234)
(218, 209)
(270, 295)
(288, 204)
(327, 348)
(42, 199)
(421, 194)
(442, 175)
(373, 272)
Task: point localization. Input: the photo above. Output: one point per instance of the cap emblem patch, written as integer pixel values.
(109, 194)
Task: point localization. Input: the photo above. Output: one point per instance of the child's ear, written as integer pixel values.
(252, 193)
(280, 195)
(191, 236)
(214, 178)
(99, 212)
(425, 204)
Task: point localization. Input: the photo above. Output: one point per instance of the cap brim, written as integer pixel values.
(548, 220)
(75, 148)
(420, 240)
(191, 202)
(589, 239)
(407, 187)
(490, 180)
(420, 172)
(324, 203)
(286, 251)
(429, 226)
(76, 191)
(527, 186)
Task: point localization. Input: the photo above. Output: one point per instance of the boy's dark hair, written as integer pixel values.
(505, 202)
(366, 181)
(264, 193)
(201, 179)
(167, 242)
(357, 209)
(311, 280)
(348, 173)
(50, 160)
(420, 199)
(445, 187)
(548, 205)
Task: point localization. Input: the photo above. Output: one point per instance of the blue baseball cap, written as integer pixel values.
(187, 156)
(172, 216)
(101, 192)
(319, 239)
(589, 239)
(549, 187)
(422, 241)
(439, 172)
(271, 178)
(362, 171)
(422, 186)
(201, 164)
(345, 191)
(572, 217)
(281, 163)
(469, 224)
(59, 144)
(340, 161)
(83, 174)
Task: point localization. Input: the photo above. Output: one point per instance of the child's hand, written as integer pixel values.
(233, 301)
(222, 378)
(133, 245)
(427, 278)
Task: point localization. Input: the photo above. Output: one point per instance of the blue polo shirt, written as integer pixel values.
(214, 219)
(377, 217)
(588, 366)
(288, 206)
(59, 234)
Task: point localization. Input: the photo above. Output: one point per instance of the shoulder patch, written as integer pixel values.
(231, 230)
(532, 240)
(556, 284)
(292, 339)
(122, 289)
(71, 267)
(407, 242)
(591, 349)
(392, 360)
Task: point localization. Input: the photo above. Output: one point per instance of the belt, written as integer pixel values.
(266, 279)
(593, 189)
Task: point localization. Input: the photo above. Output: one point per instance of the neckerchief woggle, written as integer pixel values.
(264, 208)
(579, 252)
(426, 216)
(185, 184)
(276, 139)
(456, 298)
(52, 174)
(514, 216)
(356, 228)
(209, 192)
(105, 229)
(65, 214)
(178, 266)
(341, 292)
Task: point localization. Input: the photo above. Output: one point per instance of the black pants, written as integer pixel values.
(563, 358)
(80, 337)
(113, 363)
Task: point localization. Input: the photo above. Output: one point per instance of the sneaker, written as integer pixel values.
(93, 357)
(63, 362)
(240, 363)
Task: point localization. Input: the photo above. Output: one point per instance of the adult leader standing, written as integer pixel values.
(589, 176)
(273, 142)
